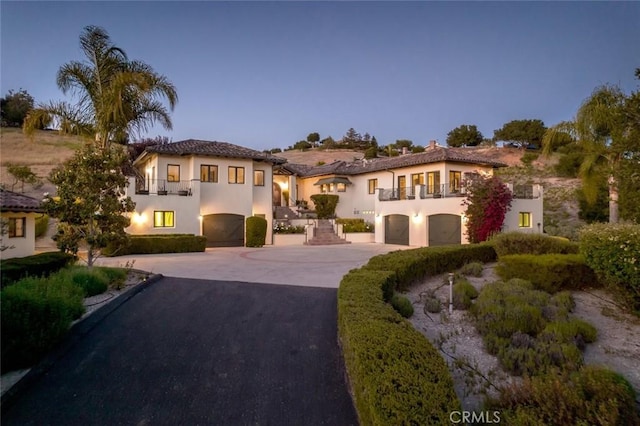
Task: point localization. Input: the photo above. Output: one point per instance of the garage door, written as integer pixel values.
(444, 229)
(223, 230)
(396, 229)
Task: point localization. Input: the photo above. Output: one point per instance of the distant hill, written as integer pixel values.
(313, 156)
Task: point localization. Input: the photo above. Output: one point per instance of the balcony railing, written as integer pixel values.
(163, 187)
(526, 192)
(446, 190)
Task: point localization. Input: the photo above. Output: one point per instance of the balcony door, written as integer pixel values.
(402, 187)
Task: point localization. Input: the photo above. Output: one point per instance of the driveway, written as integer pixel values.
(310, 266)
(196, 352)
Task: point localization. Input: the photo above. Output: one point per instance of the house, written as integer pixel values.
(18, 213)
(413, 199)
(210, 188)
(202, 188)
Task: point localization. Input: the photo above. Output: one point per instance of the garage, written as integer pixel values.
(444, 229)
(396, 229)
(223, 230)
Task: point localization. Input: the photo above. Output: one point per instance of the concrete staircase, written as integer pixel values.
(284, 212)
(325, 235)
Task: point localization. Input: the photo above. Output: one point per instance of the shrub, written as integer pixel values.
(487, 202)
(402, 305)
(523, 243)
(115, 276)
(613, 253)
(43, 264)
(36, 314)
(463, 293)
(548, 272)
(280, 228)
(92, 281)
(432, 305)
(355, 225)
(161, 243)
(473, 269)
(42, 225)
(256, 231)
(397, 376)
(591, 396)
(325, 205)
(529, 157)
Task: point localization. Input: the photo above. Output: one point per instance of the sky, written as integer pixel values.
(266, 74)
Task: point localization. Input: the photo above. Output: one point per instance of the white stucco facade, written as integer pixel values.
(24, 244)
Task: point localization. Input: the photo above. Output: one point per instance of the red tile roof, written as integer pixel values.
(213, 149)
(13, 202)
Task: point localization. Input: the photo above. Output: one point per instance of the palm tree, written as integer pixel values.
(601, 130)
(116, 96)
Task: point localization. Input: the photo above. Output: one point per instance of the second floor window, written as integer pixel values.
(208, 173)
(455, 179)
(373, 185)
(433, 182)
(236, 174)
(258, 177)
(173, 173)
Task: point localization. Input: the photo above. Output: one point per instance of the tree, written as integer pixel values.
(328, 143)
(488, 201)
(606, 130)
(404, 143)
(522, 133)
(302, 145)
(115, 96)
(313, 138)
(23, 174)
(464, 135)
(417, 149)
(90, 205)
(351, 138)
(14, 108)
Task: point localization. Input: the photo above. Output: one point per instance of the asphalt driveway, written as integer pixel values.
(198, 352)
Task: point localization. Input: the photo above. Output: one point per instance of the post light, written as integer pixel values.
(450, 292)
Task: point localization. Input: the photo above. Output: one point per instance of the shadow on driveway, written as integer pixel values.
(188, 352)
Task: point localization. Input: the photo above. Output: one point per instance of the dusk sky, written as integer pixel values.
(265, 74)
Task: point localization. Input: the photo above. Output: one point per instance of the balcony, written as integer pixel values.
(526, 192)
(162, 187)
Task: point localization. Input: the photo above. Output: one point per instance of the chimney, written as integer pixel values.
(405, 150)
(432, 144)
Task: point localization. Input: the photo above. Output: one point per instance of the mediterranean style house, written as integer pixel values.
(18, 213)
(209, 188)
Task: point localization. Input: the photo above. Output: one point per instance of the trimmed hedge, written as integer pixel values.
(154, 244)
(523, 243)
(398, 377)
(548, 272)
(36, 314)
(325, 205)
(43, 264)
(411, 266)
(256, 231)
(613, 251)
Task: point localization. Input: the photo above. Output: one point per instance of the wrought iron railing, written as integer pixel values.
(163, 187)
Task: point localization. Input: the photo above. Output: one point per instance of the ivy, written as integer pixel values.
(488, 201)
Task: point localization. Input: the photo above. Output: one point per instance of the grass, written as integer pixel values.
(46, 148)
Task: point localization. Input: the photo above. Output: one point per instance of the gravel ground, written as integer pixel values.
(475, 372)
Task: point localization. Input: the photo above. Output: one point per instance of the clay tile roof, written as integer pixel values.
(13, 202)
(213, 149)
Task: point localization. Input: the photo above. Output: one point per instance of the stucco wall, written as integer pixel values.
(20, 246)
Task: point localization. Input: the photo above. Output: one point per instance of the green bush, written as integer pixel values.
(402, 305)
(42, 225)
(613, 251)
(413, 265)
(355, 225)
(432, 305)
(529, 157)
(43, 264)
(523, 243)
(529, 330)
(115, 276)
(36, 314)
(92, 281)
(397, 376)
(473, 269)
(463, 293)
(590, 396)
(325, 205)
(548, 272)
(154, 244)
(256, 231)
(283, 228)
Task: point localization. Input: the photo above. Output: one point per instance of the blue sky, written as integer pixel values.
(265, 74)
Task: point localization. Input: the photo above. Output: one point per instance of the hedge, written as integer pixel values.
(36, 314)
(397, 376)
(523, 243)
(613, 251)
(43, 264)
(548, 272)
(42, 225)
(154, 244)
(256, 231)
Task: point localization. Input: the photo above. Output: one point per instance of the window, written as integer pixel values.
(373, 185)
(208, 173)
(236, 174)
(433, 183)
(323, 188)
(173, 173)
(17, 227)
(416, 179)
(163, 219)
(342, 187)
(258, 177)
(455, 179)
(524, 220)
(332, 187)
